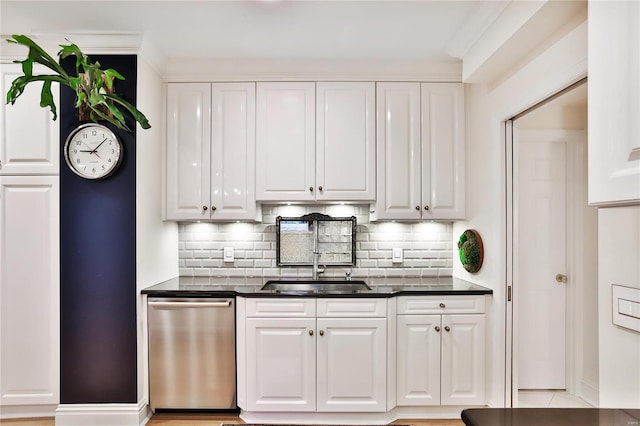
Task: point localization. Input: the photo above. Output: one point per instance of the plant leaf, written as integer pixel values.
(46, 98)
(139, 116)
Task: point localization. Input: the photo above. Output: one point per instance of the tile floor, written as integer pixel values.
(550, 398)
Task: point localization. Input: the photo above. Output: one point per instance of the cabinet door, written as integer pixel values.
(463, 357)
(188, 151)
(233, 156)
(29, 138)
(285, 141)
(281, 364)
(352, 364)
(398, 151)
(443, 156)
(29, 290)
(418, 358)
(614, 103)
(345, 141)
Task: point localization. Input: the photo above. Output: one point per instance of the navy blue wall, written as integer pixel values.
(98, 265)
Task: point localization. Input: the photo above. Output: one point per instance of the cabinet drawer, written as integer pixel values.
(281, 308)
(341, 308)
(440, 305)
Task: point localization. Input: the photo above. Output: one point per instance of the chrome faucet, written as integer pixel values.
(317, 269)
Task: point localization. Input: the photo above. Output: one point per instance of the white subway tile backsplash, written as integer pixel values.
(428, 247)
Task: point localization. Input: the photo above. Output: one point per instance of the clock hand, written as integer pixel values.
(96, 148)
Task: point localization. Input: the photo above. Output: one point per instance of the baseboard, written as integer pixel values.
(27, 411)
(103, 414)
(589, 392)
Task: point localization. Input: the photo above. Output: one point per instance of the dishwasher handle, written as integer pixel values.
(222, 304)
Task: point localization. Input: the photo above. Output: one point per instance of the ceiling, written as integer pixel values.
(418, 30)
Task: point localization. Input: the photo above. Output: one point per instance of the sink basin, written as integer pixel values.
(317, 286)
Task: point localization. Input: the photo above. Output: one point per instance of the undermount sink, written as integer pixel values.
(316, 286)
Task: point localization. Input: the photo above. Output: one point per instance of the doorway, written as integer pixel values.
(554, 247)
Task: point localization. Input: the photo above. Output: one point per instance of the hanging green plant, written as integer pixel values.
(94, 87)
(471, 250)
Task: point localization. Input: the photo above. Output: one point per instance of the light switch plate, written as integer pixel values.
(626, 306)
(228, 254)
(396, 255)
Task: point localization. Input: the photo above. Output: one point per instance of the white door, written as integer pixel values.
(281, 364)
(463, 366)
(188, 151)
(29, 290)
(29, 138)
(233, 155)
(418, 359)
(352, 364)
(285, 141)
(345, 141)
(541, 219)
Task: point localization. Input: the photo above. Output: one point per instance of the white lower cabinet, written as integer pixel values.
(440, 351)
(297, 361)
(29, 294)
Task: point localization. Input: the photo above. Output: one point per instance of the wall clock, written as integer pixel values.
(93, 151)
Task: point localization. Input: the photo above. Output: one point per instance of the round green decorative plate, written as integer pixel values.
(471, 250)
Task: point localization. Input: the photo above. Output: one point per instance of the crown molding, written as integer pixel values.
(311, 70)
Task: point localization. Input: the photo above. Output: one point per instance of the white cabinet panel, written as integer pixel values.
(420, 151)
(233, 159)
(285, 141)
(345, 141)
(188, 150)
(352, 364)
(614, 103)
(210, 151)
(443, 177)
(281, 364)
(418, 355)
(398, 151)
(29, 139)
(29, 290)
(463, 359)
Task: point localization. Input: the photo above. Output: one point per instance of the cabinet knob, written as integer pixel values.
(310, 332)
(426, 208)
(438, 328)
(213, 208)
(311, 188)
(321, 332)
(205, 208)
(320, 188)
(446, 328)
(442, 305)
(418, 208)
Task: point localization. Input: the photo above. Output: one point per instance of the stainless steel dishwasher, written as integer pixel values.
(192, 353)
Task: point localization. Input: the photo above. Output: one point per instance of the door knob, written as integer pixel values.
(561, 278)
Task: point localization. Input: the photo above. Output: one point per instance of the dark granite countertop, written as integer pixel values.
(251, 287)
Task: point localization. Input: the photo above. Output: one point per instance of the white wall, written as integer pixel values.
(156, 241)
(619, 263)
(559, 65)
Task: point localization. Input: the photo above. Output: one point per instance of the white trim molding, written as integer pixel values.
(27, 411)
(103, 414)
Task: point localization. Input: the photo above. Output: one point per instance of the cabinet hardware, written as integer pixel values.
(213, 208)
(310, 332)
(438, 329)
(418, 208)
(205, 208)
(311, 188)
(442, 305)
(446, 328)
(320, 188)
(321, 332)
(426, 208)
(561, 278)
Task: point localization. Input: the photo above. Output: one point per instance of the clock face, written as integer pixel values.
(92, 151)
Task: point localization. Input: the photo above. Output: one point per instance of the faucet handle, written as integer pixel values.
(348, 275)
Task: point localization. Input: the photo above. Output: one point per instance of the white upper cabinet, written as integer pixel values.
(285, 142)
(614, 103)
(420, 151)
(315, 141)
(210, 151)
(29, 138)
(345, 141)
